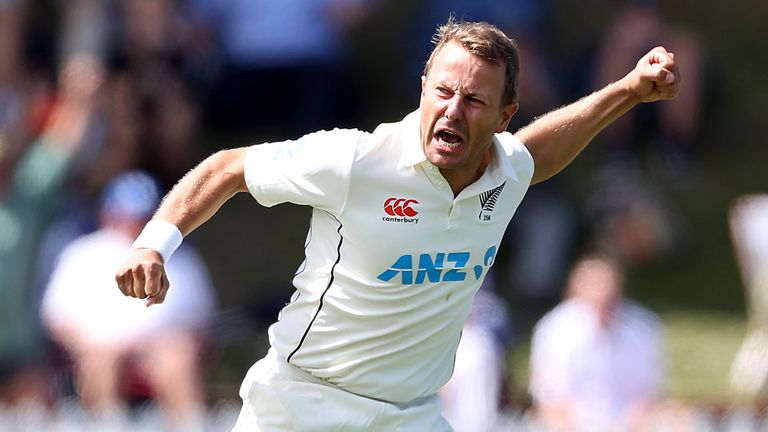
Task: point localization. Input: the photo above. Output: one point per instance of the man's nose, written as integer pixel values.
(455, 109)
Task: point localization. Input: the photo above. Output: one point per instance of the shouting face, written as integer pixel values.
(461, 109)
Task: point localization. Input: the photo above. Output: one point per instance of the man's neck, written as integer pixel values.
(460, 179)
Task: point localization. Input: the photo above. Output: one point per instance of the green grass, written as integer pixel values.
(700, 349)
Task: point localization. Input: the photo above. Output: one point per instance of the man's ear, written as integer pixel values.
(423, 83)
(506, 116)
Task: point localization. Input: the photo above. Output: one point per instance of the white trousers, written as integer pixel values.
(279, 397)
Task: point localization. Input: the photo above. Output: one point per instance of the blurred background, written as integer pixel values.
(92, 91)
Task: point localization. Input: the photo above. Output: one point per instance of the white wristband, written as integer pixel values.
(161, 236)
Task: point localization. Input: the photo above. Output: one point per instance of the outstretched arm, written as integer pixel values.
(556, 138)
(190, 203)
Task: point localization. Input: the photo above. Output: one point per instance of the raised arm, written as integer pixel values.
(556, 138)
(190, 203)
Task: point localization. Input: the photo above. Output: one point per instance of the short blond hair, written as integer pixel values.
(484, 40)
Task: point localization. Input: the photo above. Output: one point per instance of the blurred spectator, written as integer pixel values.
(28, 186)
(148, 118)
(108, 336)
(282, 63)
(596, 359)
(472, 399)
(748, 219)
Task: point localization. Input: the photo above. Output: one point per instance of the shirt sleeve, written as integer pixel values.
(519, 156)
(313, 170)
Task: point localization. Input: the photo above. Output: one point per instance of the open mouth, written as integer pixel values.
(449, 139)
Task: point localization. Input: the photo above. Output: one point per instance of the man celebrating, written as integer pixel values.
(372, 329)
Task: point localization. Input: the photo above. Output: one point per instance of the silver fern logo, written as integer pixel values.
(488, 201)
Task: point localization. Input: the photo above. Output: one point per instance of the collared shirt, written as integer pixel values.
(393, 259)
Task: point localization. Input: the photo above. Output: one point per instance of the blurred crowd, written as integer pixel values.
(105, 104)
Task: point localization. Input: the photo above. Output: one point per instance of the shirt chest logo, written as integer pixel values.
(401, 210)
(417, 269)
(488, 200)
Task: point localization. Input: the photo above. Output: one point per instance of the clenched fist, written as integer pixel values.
(143, 276)
(655, 77)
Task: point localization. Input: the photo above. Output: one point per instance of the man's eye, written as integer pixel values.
(475, 101)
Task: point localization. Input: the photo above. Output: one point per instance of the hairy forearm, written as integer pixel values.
(201, 192)
(557, 137)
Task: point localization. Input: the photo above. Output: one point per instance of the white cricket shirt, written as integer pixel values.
(392, 258)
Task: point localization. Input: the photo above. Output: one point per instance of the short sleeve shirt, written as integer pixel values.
(393, 259)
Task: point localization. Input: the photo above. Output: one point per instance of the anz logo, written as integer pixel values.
(438, 267)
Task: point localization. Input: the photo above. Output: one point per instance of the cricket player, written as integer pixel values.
(406, 222)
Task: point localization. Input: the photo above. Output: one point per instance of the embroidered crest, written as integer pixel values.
(488, 201)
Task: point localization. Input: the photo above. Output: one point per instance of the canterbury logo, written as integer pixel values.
(488, 201)
(400, 207)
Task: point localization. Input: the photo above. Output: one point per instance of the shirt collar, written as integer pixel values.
(412, 153)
